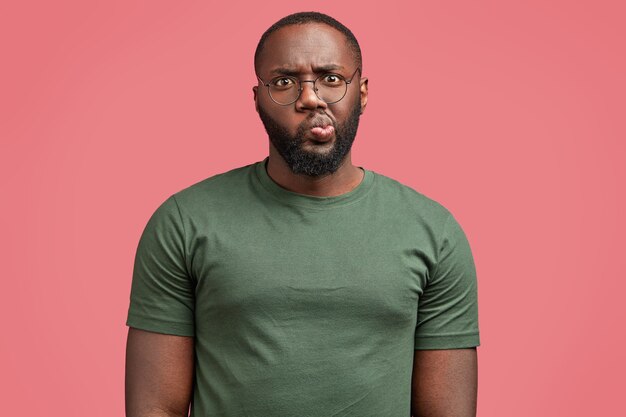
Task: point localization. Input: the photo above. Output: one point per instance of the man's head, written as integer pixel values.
(312, 134)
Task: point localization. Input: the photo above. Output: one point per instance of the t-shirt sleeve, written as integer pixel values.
(162, 296)
(447, 316)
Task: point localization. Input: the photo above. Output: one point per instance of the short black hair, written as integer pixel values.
(301, 18)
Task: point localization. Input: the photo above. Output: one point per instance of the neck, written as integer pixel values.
(344, 180)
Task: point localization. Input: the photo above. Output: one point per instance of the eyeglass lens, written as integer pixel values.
(330, 88)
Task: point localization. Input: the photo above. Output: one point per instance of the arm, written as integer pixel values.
(159, 374)
(445, 383)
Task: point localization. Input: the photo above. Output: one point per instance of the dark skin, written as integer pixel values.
(159, 368)
(304, 49)
(445, 383)
(159, 374)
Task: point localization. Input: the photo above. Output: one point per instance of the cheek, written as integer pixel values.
(341, 113)
(281, 116)
(342, 110)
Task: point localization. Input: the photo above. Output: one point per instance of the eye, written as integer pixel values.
(283, 82)
(331, 79)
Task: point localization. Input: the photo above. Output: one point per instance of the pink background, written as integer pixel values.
(509, 113)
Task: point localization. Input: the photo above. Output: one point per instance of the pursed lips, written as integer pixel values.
(321, 127)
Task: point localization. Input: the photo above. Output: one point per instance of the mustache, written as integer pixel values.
(317, 118)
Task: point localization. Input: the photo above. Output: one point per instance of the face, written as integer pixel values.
(312, 137)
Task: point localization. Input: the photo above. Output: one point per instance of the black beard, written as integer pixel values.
(312, 164)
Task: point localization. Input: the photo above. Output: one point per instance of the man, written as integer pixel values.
(302, 285)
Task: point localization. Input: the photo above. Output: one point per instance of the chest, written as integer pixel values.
(332, 268)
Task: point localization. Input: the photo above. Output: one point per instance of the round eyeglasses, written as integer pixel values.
(329, 87)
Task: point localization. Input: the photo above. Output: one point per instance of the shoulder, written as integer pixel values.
(222, 189)
(399, 196)
(216, 183)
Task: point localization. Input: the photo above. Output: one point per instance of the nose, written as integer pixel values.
(308, 99)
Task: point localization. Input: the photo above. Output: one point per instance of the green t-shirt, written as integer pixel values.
(302, 305)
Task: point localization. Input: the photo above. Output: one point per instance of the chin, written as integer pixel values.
(318, 147)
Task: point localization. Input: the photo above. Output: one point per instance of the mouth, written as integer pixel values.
(322, 133)
(321, 129)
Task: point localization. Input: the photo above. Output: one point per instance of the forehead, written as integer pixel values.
(306, 46)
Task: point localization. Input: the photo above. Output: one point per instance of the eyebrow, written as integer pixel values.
(318, 69)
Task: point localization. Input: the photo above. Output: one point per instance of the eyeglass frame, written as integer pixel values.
(348, 82)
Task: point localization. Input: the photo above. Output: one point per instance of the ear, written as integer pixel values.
(255, 90)
(363, 90)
